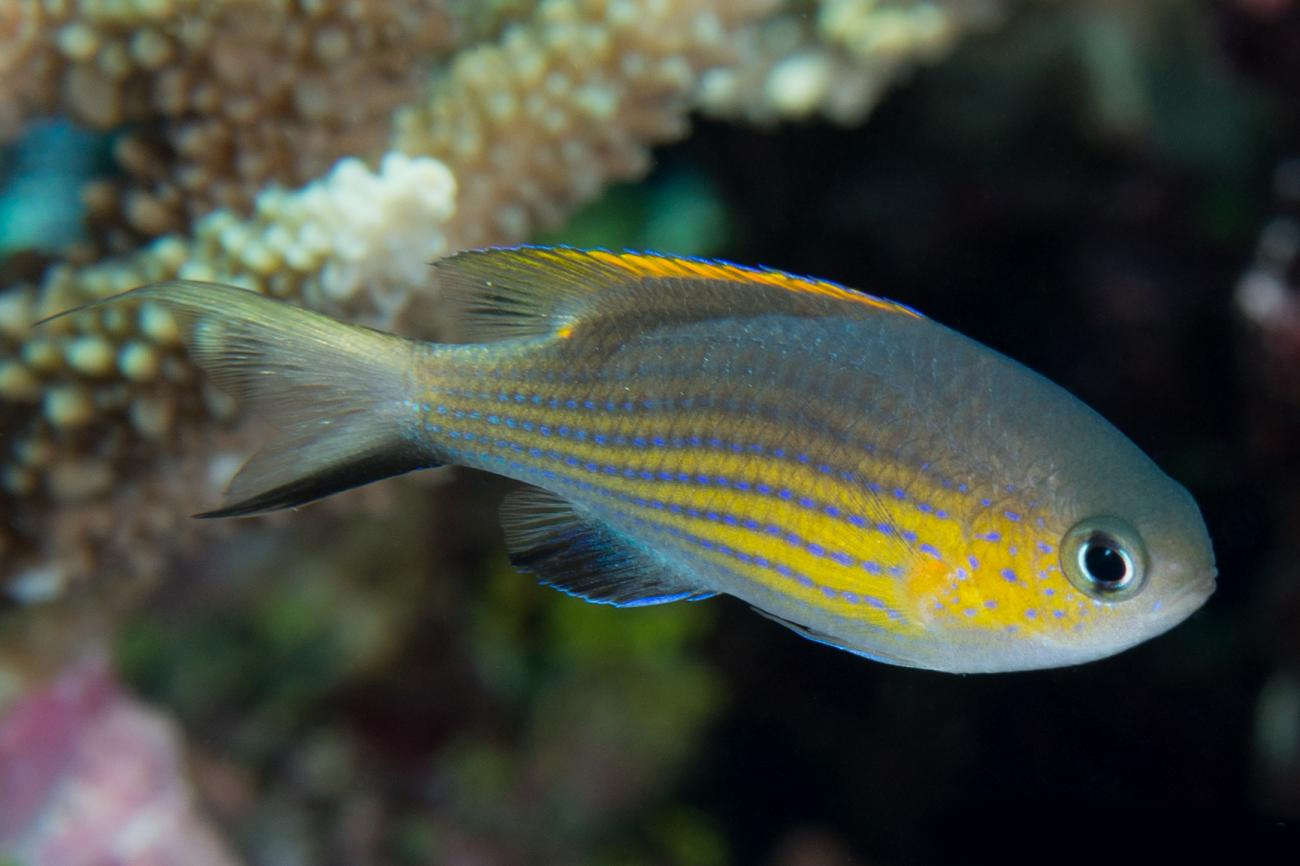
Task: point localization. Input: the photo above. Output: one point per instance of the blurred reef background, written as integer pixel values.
(1106, 191)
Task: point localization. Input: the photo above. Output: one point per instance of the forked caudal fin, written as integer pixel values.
(336, 393)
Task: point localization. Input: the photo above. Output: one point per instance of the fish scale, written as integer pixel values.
(684, 428)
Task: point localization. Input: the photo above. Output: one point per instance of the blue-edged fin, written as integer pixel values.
(335, 393)
(582, 556)
(823, 638)
(504, 293)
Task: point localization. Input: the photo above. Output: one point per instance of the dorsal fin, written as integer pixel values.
(507, 292)
(584, 557)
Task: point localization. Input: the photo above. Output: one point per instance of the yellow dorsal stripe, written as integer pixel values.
(659, 266)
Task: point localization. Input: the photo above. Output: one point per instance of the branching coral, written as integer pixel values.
(220, 97)
(109, 437)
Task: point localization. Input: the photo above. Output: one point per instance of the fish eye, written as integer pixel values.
(1104, 557)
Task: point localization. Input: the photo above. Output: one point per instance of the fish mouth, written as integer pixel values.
(1196, 592)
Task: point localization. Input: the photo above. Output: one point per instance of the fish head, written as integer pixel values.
(1088, 554)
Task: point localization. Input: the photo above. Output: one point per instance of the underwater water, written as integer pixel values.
(1108, 196)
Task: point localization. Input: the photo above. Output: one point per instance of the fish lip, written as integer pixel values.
(1198, 590)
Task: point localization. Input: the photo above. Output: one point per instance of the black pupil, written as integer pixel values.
(1104, 563)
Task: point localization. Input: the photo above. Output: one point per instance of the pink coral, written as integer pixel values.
(90, 776)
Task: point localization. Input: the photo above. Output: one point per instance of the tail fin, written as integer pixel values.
(338, 394)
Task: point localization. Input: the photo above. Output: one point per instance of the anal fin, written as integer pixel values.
(585, 558)
(821, 637)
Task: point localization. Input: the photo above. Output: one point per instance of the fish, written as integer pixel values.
(683, 428)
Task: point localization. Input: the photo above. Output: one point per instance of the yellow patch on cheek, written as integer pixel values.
(933, 590)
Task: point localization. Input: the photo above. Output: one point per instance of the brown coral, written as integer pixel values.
(109, 437)
(222, 97)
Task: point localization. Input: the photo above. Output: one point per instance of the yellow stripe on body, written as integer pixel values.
(813, 526)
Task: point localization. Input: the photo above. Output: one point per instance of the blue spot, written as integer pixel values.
(974, 563)
(930, 549)
(816, 549)
(899, 493)
(589, 404)
(986, 502)
(851, 597)
(658, 441)
(990, 604)
(970, 611)
(802, 458)
(1009, 576)
(571, 404)
(785, 494)
(831, 511)
(1012, 516)
(856, 520)
(1031, 613)
(871, 567)
(1059, 614)
(805, 502)
(842, 558)
(989, 536)
(907, 535)
(823, 469)
(763, 488)
(1043, 547)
